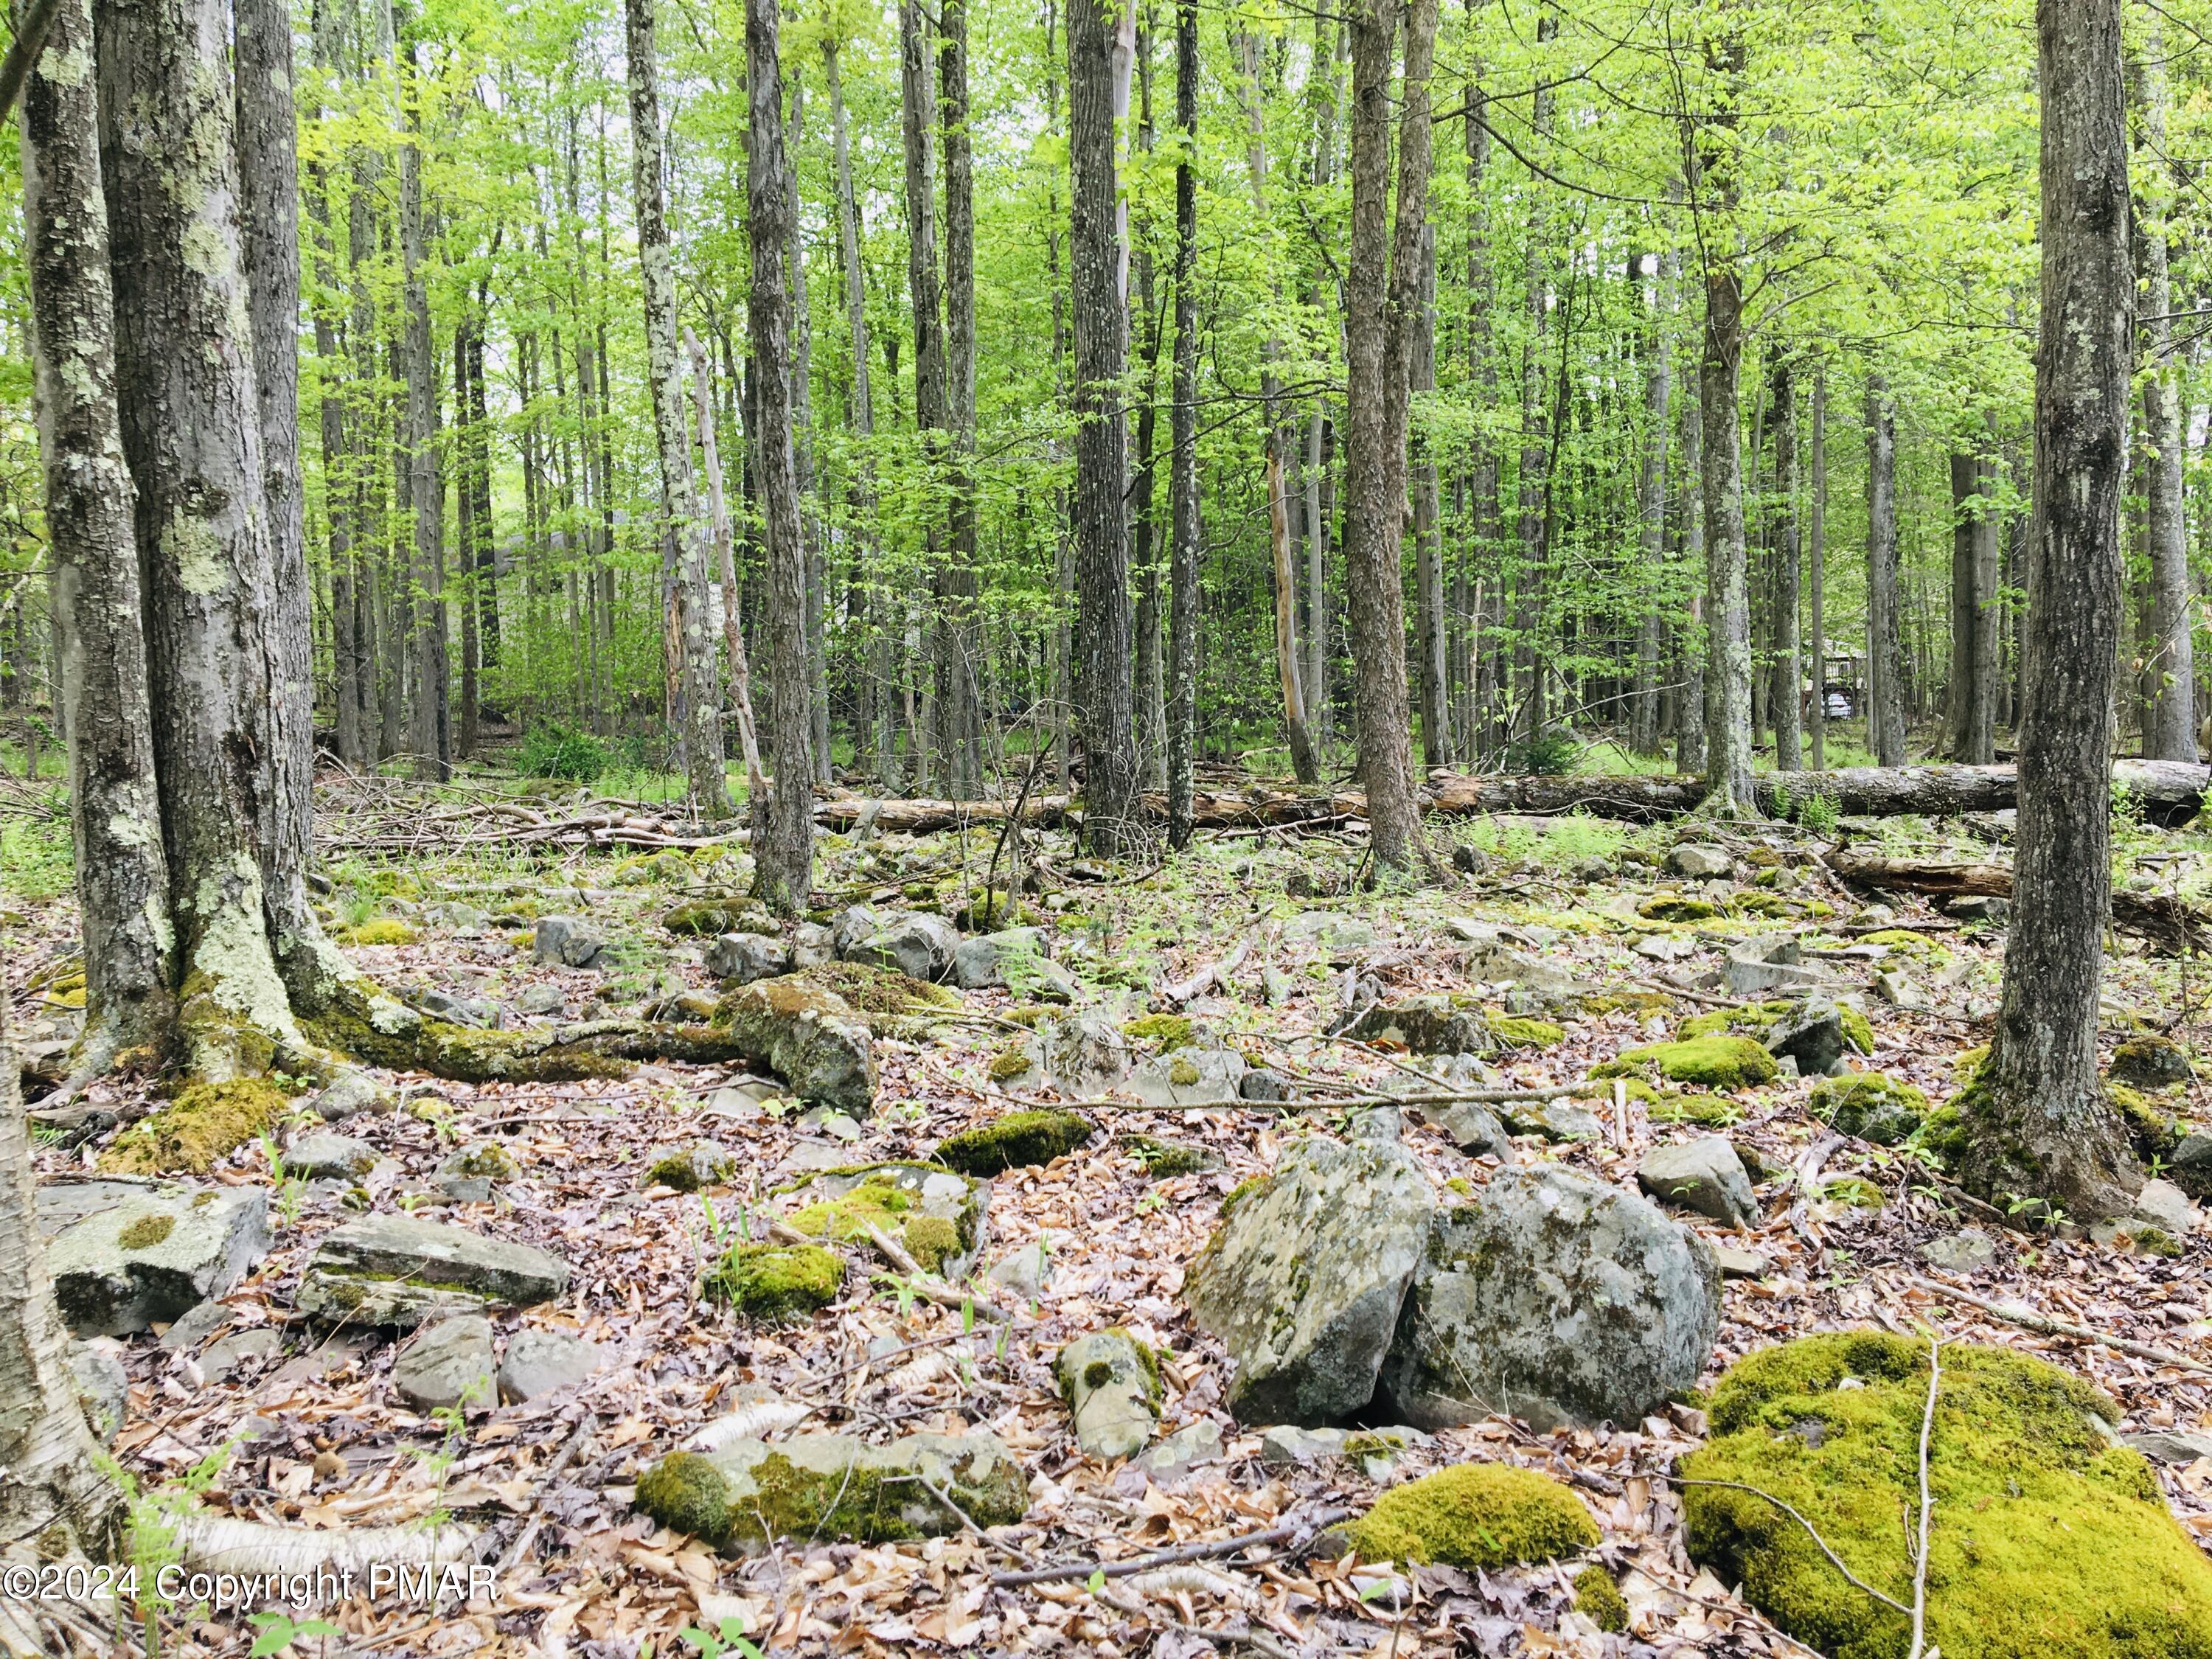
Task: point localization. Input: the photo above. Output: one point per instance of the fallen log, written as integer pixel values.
(2163, 920)
(2167, 793)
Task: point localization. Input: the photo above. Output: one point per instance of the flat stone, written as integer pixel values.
(1979, 908)
(542, 1000)
(1303, 1282)
(450, 1364)
(1109, 1393)
(1473, 1128)
(2165, 1204)
(194, 1326)
(402, 1272)
(103, 1385)
(1433, 1023)
(852, 928)
(1705, 1175)
(1558, 1120)
(1961, 1252)
(566, 942)
(240, 1348)
(1737, 1263)
(918, 945)
(1194, 1443)
(1263, 1083)
(327, 1156)
(1190, 1077)
(1699, 862)
(812, 945)
(1285, 1445)
(155, 1256)
(1026, 1273)
(2171, 1446)
(744, 958)
(1665, 947)
(1899, 992)
(1553, 1297)
(1749, 973)
(1080, 1054)
(351, 1092)
(540, 1363)
(64, 1201)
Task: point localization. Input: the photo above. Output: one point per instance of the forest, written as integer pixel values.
(1105, 827)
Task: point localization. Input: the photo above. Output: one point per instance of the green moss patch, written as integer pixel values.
(378, 930)
(889, 1197)
(203, 1124)
(2151, 1062)
(1473, 1515)
(1870, 1105)
(1014, 1141)
(1672, 907)
(1008, 1063)
(1167, 1032)
(1710, 1062)
(686, 1492)
(145, 1232)
(1906, 942)
(1707, 1111)
(2049, 1541)
(774, 1281)
(1599, 1600)
(1751, 1017)
(1516, 1031)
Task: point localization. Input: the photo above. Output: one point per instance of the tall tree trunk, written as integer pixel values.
(783, 826)
(726, 556)
(963, 712)
(122, 872)
(686, 558)
(465, 532)
(1430, 629)
(1321, 494)
(812, 531)
(1651, 513)
(1690, 739)
(917, 104)
(190, 425)
(2170, 719)
(1970, 709)
(1728, 657)
(1816, 574)
(340, 486)
(1885, 693)
(2038, 1122)
(1111, 807)
(1783, 700)
(1148, 688)
(268, 209)
(427, 735)
(1182, 467)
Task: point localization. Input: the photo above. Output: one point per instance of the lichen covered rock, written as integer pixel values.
(401, 1272)
(824, 1486)
(1870, 1105)
(688, 1168)
(1474, 1516)
(1303, 1281)
(1553, 1297)
(2050, 1541)
(939, 1216)
(1717, 1062)
(1013, 1141)
(1111, 1382)
(776, 1281)
(155, 1255)
(810, 1037)
(1434, 1023)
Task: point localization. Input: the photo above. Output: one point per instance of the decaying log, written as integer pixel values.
(2165, 920)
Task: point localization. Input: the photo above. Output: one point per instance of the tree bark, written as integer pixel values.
(1182, 467)
(1783, 701)
(2170, 717)
(726, 556)
(1102, 530)
(1885, 691)
(1690, 739)
(783, 826)
(686, 558)
(962, 692)
(114, 795)
(1651, 515)
(813, 532)
(427, 734)
(1430, 629)
(1971, 702)
(1727, 662)
(1816, 575)
(340, 484)
(2038, 1123)
(191, 428)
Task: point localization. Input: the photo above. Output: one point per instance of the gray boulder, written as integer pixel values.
(1303, 1281)
(2190, 1165)
(983, 963)
(350, 1092)
(1960, 1252)
(1705, 1175)
(745, 957)
(812, 945)
(1811, 1034)
(1555, 1120)
(1699, 862)
(1080, 1055)
(566, 942)
(541, 999)
(329, 1157)
(1473, 1128)
(808, 1037)
(194, 1326)
(1762, 967)
(2174, 1446)
(1339, 935)
(1195, 1443)
(226, 1356)
(1285, 1445)
(1190, 1076)
(1556, 1297)
(1979, 907)
(1432, 1023)
(449, 1364)
(918, 945)
(1025, 1273)
(156, 1255)
(1110, 1393)
(400, 1272)
(103, 1385)
(854, 926)
(545, 1362)
(2165, 1204)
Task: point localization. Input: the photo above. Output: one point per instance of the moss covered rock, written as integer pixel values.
(706, 918)
(824, 1486)
(2050, 1541)
(1707, 1111)
(1165, 1032)
(1013, 1141)
(1672, 907)
(377, 930)
(1473, 1515)
(1165, 1159)
(1751, 1017)
(1871, 1105)
(939, 1216)
(810, 1037)
(776, 1281)
(1718, 1062)
(1599, 1600)
(2151, 1062)
(892, 1002)
(1516, 1031)
(203, 1124)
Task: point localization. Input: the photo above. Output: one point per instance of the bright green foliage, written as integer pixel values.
(1012, 1142)
(2050, 1541)
(1474, 1514)
(1710, 1062)
(776, 1281)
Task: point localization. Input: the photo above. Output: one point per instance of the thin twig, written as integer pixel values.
(966, 1519)
(1927, 1502)
(521, 1547)
(1812, 1532)
(2028, 1319)
(1210, 1551)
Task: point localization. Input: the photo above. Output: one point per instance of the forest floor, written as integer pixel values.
(312, 1433)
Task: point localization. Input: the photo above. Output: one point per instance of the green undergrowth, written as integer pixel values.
(1474, 1516)
(2050, 1541)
